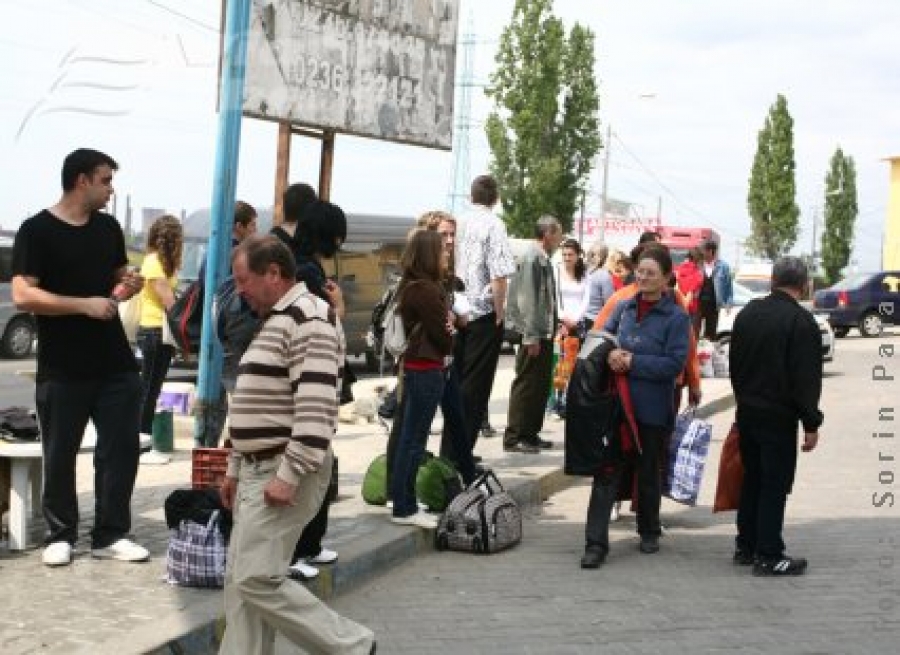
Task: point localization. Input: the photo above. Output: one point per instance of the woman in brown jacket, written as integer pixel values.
(429, 324)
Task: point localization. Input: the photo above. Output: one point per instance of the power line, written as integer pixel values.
(186, 17)
(670, 192)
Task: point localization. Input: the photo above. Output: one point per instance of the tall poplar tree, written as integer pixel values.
(772, 189)
(544, 131)
(841, 210)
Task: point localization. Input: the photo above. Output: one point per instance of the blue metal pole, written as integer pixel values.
(228, 142)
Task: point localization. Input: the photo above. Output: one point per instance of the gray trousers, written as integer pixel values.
(259, 597)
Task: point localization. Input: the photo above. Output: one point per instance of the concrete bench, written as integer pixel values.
(26, 479)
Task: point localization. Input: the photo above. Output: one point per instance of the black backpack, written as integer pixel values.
(185, 318)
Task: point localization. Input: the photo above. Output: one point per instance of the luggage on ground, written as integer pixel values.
(688, 449)
(482, 519)
(374, 486)
(437, 483)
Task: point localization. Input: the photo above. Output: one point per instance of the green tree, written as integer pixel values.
(841, 210)
(770, 196)
(544, 132)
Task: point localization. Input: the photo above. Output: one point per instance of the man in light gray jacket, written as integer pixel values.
(532, 312)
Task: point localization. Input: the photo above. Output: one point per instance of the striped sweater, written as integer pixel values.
(287, 384)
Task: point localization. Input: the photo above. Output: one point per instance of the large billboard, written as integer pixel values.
(376, 68)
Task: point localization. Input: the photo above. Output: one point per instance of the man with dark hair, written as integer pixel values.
(283, 418)
(716, 292)
(775, 362)
(532, 312)
(484, 191)
(484, 261)
(70, 269)
(649, 237)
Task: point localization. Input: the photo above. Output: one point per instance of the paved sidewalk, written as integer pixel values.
(111, 607)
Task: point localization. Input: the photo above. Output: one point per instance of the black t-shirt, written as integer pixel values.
(77, 261)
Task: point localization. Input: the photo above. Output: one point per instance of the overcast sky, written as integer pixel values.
(685, 86)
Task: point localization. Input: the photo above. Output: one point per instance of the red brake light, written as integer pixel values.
(843, 301)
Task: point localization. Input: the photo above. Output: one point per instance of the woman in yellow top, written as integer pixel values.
(162, 262)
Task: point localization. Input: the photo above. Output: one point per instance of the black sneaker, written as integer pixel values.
(743, 557)
(593, 557)
(521, 447)
(537, 442)
(649, 544)
(783, 565)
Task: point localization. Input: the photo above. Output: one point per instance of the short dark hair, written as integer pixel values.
(322, 226)
(658, 253)
(244, 213)
(485, 191)
(790, 272)
(296, 200)
(649, 236)
(264, 250)
(710, 245)
(83, 161)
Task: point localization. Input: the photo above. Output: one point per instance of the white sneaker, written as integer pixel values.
(154, 458)
(419, 519)
(123, 550)
(614, 512)
(422, 506)
(59, 553)
(325, 556)
(302, 571)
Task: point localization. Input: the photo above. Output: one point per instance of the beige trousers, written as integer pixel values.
(259, 597)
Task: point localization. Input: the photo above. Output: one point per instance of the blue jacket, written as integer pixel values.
(721, 279)
(659, 348)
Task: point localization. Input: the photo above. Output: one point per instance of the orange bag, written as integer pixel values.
(731, 474)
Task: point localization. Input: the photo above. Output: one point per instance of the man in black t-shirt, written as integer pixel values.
(70, 270)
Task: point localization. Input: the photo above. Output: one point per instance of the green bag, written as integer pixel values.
(374, 486)
(437, 483)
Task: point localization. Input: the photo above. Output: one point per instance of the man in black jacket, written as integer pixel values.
(776, 374)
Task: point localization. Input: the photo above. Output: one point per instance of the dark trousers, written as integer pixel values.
(709, 317)
(310, 542)
(156, 357)
(64, 408)
(394, 436)
(476, 355)
(423, 391)
(604, 490)
(528, 394)
(454, 445)
(769, 453)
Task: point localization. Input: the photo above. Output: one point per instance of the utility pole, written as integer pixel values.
(581, 220)
(228, 143)
(603, 197)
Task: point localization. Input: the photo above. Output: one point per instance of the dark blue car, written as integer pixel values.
(866, 301)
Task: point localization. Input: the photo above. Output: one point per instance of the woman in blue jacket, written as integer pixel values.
(652, 331)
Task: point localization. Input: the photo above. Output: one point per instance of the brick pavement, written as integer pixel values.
(110, 607)
(690, 597)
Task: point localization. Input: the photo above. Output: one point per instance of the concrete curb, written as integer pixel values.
(203, 624)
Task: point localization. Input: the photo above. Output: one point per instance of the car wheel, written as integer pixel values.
(841, 332)
(870, 324)
(17, 338)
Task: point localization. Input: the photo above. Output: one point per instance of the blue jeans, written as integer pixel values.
(422, 392)
(455, 445)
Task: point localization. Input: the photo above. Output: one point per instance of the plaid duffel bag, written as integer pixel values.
(196, 554)
(482, 519)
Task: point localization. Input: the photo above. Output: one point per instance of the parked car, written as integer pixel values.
(18, 329)
(865, 301)
(743, 295)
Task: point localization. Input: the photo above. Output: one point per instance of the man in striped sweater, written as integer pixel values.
(283, 415)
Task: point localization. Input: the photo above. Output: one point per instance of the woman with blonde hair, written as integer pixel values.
(165, 240)
(619, 266)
